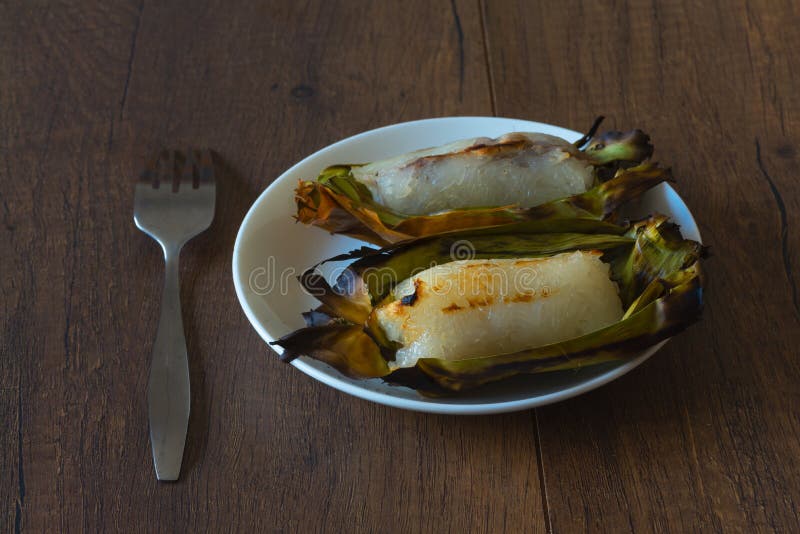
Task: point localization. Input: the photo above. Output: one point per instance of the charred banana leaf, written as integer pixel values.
(656, 270)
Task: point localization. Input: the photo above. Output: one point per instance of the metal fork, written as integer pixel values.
(174, 202)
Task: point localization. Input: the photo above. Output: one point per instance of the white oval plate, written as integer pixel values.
(271, 250)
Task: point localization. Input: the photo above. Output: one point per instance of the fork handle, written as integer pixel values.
(168, 391)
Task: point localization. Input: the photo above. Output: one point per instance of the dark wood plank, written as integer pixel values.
(706, 435)
(63, 68)
(89, 90)
(12, 491)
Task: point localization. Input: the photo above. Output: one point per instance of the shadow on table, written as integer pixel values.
(209, 293)
(645, 401)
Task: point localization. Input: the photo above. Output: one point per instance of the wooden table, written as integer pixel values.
(705, 436)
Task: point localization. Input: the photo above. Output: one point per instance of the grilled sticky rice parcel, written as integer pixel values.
(480, 182)
(415, 315)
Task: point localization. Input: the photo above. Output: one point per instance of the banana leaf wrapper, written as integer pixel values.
(657, 272)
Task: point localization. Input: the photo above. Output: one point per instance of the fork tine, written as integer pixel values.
(163, 176)
(166, 170)
(171, 168)
(205, 168)
(189, 175)
(150, 175)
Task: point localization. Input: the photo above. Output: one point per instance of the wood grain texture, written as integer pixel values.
(89, 91)
(12, 491)
(706, 435)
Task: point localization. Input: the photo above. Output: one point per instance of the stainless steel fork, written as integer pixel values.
(174, 202)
